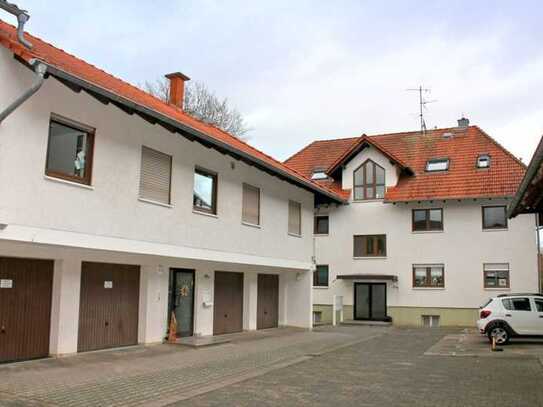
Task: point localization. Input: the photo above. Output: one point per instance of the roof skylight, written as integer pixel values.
(437, 164)
(483, 161)
(319, 175)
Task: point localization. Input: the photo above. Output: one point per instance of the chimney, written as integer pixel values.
(177, 88)
(463, 122)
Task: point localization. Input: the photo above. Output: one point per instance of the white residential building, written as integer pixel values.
(117, 210)
(424, 239)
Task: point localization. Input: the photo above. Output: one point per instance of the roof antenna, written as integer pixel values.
(422, 105)
(22, 18)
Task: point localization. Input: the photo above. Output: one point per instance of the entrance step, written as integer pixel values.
(366, 323)
(202, 341)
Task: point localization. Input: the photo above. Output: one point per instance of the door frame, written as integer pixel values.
(171, 295)
(370, 294)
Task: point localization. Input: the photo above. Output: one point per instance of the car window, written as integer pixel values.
(517, 304)
(486, 303)
(539, 305)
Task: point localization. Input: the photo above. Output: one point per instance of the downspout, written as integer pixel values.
(39, 69)
(22, 18)
(539, 262)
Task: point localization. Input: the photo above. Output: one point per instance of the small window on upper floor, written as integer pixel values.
(437, 164)
(69, 150)
(321, 224)
(483, 161)
(294, 218)
(155, 176)
(205, 191)
(319, 174)
(494, 217)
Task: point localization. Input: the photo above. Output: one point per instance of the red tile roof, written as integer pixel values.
(88, 73)
(462, 180)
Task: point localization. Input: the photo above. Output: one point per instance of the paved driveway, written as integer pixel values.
(351, 366)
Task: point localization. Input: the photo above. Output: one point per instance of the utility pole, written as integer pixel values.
(422, 105)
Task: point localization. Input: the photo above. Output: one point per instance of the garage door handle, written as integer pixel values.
(265, 312)
(3, 329)
(226, 315)
(107, 323)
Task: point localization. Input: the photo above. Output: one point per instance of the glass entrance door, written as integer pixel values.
(182, 300)
(370, 301)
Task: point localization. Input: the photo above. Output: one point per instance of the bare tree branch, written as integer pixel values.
(203, 104)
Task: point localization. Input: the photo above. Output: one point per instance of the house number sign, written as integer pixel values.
(108, 284)
(5, 283)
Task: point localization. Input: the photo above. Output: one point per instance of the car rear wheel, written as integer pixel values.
(500, 333)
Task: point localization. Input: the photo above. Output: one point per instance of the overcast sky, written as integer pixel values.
(305, 70)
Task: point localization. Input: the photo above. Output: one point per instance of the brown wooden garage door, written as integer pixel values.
(228, 303)
(108, 310)
(268, 301)
(25, 308)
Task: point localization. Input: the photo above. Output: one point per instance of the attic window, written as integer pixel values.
(319, 174)
(437, 164)
(483, 161)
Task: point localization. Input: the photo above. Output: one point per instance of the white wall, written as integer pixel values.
(462, 247)
(111, 208)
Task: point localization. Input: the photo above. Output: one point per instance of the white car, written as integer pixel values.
(511, 315)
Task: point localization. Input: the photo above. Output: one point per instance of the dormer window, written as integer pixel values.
(483, 161)
(319, 174)
(369, 181)
(437, 164)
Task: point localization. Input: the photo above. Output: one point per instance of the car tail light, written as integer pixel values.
(485, 313)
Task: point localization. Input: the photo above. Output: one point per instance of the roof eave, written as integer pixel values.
(451, 198)
(515, 208)
(105, 96)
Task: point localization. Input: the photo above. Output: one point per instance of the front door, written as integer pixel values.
(182, 300)
(370, 301)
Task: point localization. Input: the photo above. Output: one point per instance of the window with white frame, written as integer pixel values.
(496, 275)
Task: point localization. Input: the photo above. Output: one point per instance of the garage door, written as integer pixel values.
(25, 308)
(108, 310)
(228, 303)
(268, 301)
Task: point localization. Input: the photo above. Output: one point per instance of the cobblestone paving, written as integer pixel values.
(161, 374)
(391, 370)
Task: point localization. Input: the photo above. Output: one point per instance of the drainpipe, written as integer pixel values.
(22, 18)
(39, 69)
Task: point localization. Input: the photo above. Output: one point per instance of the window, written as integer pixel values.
(370, 246)
(517, 304)
(538, 305)
(483, 161)
(369, 181)
(496, 275)
(494, 217)
(251, 205)
(437, 164)
(205, 191)
(294, 218)
(427, 219)
(319, 174)
(320, 276)
(428, 275)
(155, 175)
(69, 150)
(321, 225)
